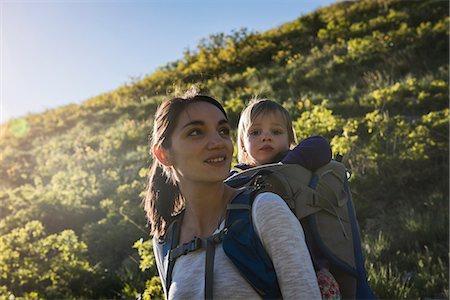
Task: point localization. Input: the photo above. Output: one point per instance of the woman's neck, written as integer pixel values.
(205, 208)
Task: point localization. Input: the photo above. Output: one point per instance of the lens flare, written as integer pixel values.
(19, 127)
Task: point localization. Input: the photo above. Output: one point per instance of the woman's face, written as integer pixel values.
(201, 148)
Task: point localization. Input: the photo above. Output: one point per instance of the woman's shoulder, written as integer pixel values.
(269, 203)
(273, 217)
(267, 197)
(157, 246)
(160, 244)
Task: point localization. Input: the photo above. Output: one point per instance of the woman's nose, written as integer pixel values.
(216, 141)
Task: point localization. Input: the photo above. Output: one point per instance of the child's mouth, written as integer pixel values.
(266, 148)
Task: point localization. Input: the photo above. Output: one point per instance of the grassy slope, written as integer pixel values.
(380, 66)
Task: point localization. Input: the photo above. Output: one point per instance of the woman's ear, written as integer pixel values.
(162, 155)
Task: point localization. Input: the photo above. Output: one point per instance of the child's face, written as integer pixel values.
(266, 137)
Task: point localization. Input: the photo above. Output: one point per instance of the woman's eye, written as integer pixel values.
(224, 131)
(194, 132)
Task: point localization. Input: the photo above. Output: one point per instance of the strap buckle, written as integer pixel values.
(191, 246)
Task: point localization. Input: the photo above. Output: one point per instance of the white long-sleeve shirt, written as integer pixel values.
(281, 235)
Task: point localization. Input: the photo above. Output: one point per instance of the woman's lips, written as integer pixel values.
(215, 160)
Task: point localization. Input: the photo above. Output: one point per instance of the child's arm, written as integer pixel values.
(312, 153)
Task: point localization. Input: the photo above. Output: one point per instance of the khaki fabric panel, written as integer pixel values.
(337, 236)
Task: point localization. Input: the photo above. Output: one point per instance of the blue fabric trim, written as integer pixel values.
(238, 182)
(242, 166)
(313, 182)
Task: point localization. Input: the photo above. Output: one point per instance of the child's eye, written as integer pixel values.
(254, 132)
(278, 132)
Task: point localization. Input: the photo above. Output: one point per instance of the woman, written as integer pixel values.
(192, 152)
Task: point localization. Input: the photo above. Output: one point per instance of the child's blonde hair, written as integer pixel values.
(256, 108)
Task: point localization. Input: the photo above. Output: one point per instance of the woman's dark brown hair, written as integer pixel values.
(163, 199)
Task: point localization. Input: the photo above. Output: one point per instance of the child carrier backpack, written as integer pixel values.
(322, 202)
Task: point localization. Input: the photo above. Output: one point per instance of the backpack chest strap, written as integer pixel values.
(196, 244)
(209, 244)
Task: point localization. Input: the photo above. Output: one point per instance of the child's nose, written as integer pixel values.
(266, 136)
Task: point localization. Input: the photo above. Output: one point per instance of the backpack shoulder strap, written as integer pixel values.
(171, 240)
(243, 247)
(172, 250)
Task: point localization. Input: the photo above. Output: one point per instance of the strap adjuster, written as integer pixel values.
(193, 245)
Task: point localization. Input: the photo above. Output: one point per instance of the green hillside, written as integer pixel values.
(371, 76)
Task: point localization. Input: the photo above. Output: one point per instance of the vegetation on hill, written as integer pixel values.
(371, 76)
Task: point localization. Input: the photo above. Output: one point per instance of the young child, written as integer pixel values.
(265, 135)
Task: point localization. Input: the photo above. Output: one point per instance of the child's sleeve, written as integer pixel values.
(312, 153)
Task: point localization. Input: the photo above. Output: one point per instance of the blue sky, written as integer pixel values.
(57, 52)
